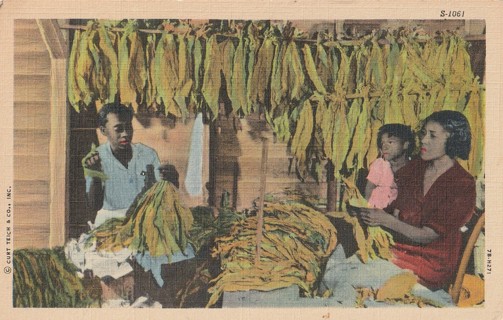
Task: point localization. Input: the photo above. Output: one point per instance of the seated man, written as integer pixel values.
(122, 163)
(115, 175)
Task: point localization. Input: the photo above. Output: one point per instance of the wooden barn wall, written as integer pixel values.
(238, 165)
(31, 136)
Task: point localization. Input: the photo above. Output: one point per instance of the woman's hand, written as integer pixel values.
(376, 217)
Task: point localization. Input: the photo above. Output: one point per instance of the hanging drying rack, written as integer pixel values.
(342, 42)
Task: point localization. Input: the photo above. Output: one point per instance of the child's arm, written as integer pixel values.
(368, 189)
(374, 176)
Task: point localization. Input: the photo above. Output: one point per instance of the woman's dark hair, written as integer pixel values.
(119, 109)
(401, 131)
(459, 142)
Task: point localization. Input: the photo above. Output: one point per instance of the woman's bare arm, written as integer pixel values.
(377, 217)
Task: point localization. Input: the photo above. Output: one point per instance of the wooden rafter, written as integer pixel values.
(53, 38)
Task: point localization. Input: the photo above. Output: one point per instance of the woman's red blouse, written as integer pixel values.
(447, 206)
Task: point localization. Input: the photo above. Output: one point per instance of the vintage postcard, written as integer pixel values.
(290, 159)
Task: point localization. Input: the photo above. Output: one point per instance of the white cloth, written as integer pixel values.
(194, 177)
(103, 215)
(141, 302)
(86, 257)
(124, 184)
(343, 275)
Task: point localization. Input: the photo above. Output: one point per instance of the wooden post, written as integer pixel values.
(339, 194)
(235, 180)
(260, 214)
(339, 27)
(58, 145)
(331, 187)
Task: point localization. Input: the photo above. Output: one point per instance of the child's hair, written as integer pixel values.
(400, 131)
(117, 108)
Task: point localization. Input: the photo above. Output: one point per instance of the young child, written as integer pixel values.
(396, 144)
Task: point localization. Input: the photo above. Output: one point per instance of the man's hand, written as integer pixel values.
(169, 173)
(93, 162)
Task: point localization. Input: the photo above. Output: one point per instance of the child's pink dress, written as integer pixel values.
(385, 192)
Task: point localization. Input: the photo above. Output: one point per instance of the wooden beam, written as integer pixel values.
(58, 154)
(53, 38)
(58, 145)
(332, 195)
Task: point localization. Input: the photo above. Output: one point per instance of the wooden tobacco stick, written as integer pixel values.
(260, 214)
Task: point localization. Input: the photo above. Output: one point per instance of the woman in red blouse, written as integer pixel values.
(436, 197)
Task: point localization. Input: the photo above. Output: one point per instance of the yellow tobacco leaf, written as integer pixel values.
(262, 71)
(311, 70)
(303, 133)
(212, 80)
(397, 286)
(74, 94)
(238, 83)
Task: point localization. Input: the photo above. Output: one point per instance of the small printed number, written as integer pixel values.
(452, 14)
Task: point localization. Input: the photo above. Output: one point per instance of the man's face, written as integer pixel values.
(119, 132)
(392, 147)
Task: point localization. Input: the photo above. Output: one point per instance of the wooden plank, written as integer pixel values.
(25, 24)
(252, 150)
(31, 226)
(475, 37)
(29, 41)
(36, 212)
(30, 236)
(29, 47)
(31, 142)
(58, 150)
(28, 192)
(29, 168)
(39, 242)
(53, 38)
(251, 186)
(34, 88)
(271, 180)
(28, 35)
(32, 63)
(30, 187)
(31, 116)
(250, 168)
